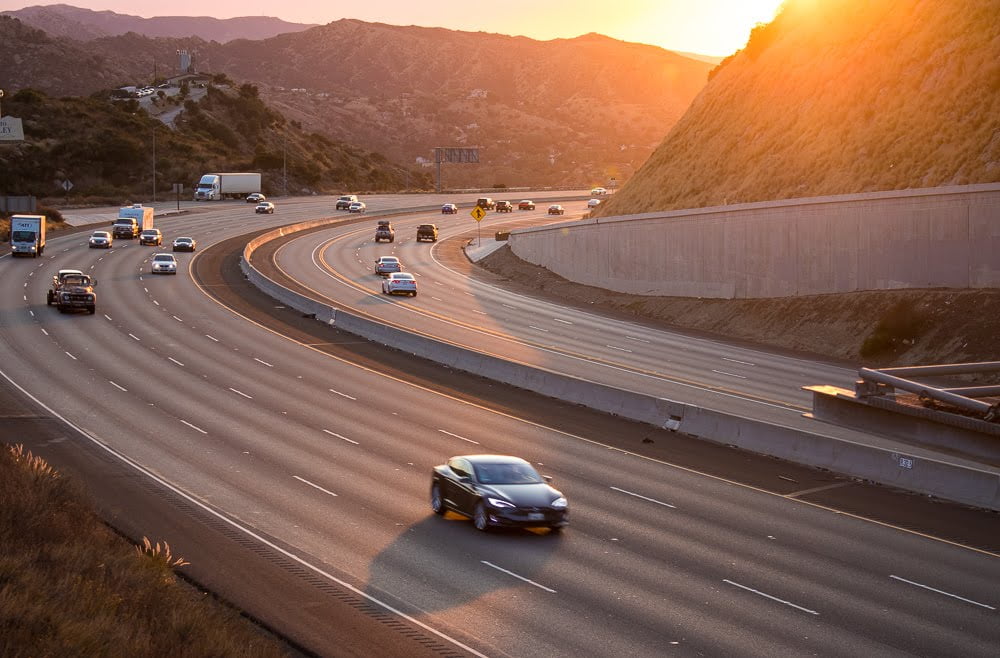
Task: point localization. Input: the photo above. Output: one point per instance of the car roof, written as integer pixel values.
(388, 258)
(183, 237)
(102, 233)
(400, 275)
(492, 459)
(163, 257)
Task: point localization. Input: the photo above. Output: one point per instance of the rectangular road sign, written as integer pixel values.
(456, 155)
(11, 130)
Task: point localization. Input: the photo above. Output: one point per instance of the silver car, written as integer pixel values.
(164, 264)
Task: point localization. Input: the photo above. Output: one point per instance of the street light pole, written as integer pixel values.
(154, 163)
(284, 163)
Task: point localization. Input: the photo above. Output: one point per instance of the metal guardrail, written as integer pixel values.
(884, 382)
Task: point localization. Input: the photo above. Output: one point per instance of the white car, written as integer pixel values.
(593, 203)
(386, 265)
(402, 283)
(598, 191)
(100, 240)
(163, 264)
(264, 208)
(357, 206)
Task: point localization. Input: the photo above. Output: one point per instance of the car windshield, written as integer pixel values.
(389, 259)
(507, 474)
(185, 240)
(100, 234)
(165, 257)
(402, 277)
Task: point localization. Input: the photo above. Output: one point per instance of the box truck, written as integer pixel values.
(214, 187)
(27, 235)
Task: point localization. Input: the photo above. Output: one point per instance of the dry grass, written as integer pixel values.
(845, 96)
(70, 587)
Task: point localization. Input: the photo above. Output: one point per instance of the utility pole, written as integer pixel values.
(154, 163)
(284, 163)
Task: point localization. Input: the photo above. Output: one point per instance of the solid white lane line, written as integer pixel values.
(561, 320)
(108, 317)
(641, 340)
(170, 358)
(264, 362)
(194, 427)
(339, 436)
(511, 573)
(120, 388)
(729, 374)
(652, 500)
(768, 596)
(742, 363)
(343, 395)
(71, 356)
(213, 338)
(240, 393)
(315, 486)
(44, 332)
(458, 437)
(835, 485)
(134, 337)
(954, 596)
(531, 326)
(620, 349)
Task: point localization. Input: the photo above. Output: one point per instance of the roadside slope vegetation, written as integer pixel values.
(837, 97)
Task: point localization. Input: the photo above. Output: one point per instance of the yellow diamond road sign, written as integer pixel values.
(478, 213)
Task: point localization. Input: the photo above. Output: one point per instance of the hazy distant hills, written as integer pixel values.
(562, 112)
(838, 97)
(85, 24)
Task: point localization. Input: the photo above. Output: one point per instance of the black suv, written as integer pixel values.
(504, 206)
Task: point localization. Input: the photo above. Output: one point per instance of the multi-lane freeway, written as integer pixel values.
(326, 460)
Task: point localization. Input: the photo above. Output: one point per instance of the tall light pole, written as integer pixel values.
(284, 162)
(154, 163)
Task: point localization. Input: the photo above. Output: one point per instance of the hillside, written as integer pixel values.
(837, 97)
(65, 21)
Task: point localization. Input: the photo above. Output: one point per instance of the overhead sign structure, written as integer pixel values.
(478, 213)
(454, 155)
(11, 130)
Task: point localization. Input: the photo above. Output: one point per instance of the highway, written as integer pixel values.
(328, 459)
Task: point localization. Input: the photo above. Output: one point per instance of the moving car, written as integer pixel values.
(593, 203)
(556, 209)
(384, 231)
(256, 197)
(151, 237)
(385, 265)
(402, 283)
(100, 240)
(344, 202)
(486, 203)
(163, 264)
(427, 232)
(264, 207)
(495, 491)
(598, 191)
(185, 244)
(449, 209)
(504, 206)
(357, 206)
(527, 204)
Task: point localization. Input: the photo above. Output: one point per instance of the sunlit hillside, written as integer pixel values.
(837, 96)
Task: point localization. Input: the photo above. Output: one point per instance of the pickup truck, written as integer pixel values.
(427, 232)
(344, 202)
(72, 290)
(125, 227)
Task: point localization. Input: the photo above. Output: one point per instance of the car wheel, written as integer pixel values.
(437, 500)
(414, 293)
(49, 298)
(480, 518)
(91, 310)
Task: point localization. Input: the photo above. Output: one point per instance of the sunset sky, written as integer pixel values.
(710, 27)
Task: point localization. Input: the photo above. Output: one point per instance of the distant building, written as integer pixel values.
(185, 61)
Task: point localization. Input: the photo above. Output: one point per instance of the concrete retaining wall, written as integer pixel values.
(964, 485)
(946, 237)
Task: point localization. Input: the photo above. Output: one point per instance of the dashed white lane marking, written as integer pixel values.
(437, 299)
(479, 312)
(134, 337)
(146, 289)
(177, 318)
(652, 500)
(620, 349)
(170, 358)
(71, 356)
(458, 437)
(954, 596)
(561, 320)
(343, 395)
(729, 374)
(108, 317)
(212, 338)
(240, 393)
(119, 387)
(508, 306)
(264, 362)
(641, 340)
(25, 297)
(768, 596)
(527, 580)
(25, 284)
(742, 363)
(44, 332)
(341, 437)
(531, 326)
(315, 486)
(156, 302)
(32, 313)
(194, 427)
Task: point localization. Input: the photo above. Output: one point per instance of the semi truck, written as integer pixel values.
(215, 187)
(27, 235)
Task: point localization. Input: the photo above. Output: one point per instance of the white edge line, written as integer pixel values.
(315, 486)
(652, 500)
(954, 596)
(209, 510)
(511, 573)
(342, 437)
(458, 437)
(768, 596)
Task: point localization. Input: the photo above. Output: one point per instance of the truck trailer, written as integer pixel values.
(215, 187)
(143, 215)
(27, 235)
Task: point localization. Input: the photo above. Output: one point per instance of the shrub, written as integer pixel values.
(902, 322)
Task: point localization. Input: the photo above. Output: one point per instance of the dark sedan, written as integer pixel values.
(497, 491)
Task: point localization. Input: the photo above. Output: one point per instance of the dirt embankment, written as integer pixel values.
(896, 327)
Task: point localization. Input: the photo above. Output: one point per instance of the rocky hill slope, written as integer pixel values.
(837, 97)
(65, 21)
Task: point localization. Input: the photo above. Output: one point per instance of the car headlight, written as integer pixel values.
(497, 502)
(559, 503)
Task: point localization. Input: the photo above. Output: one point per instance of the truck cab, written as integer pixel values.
(27, 235)
(125, 227)
(73, 290)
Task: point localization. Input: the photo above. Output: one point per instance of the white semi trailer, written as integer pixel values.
(215, 187)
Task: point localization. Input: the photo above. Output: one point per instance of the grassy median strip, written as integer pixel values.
(69, 586)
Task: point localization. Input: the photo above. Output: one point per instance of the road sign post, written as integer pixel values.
(478, 214)
(178, 188)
